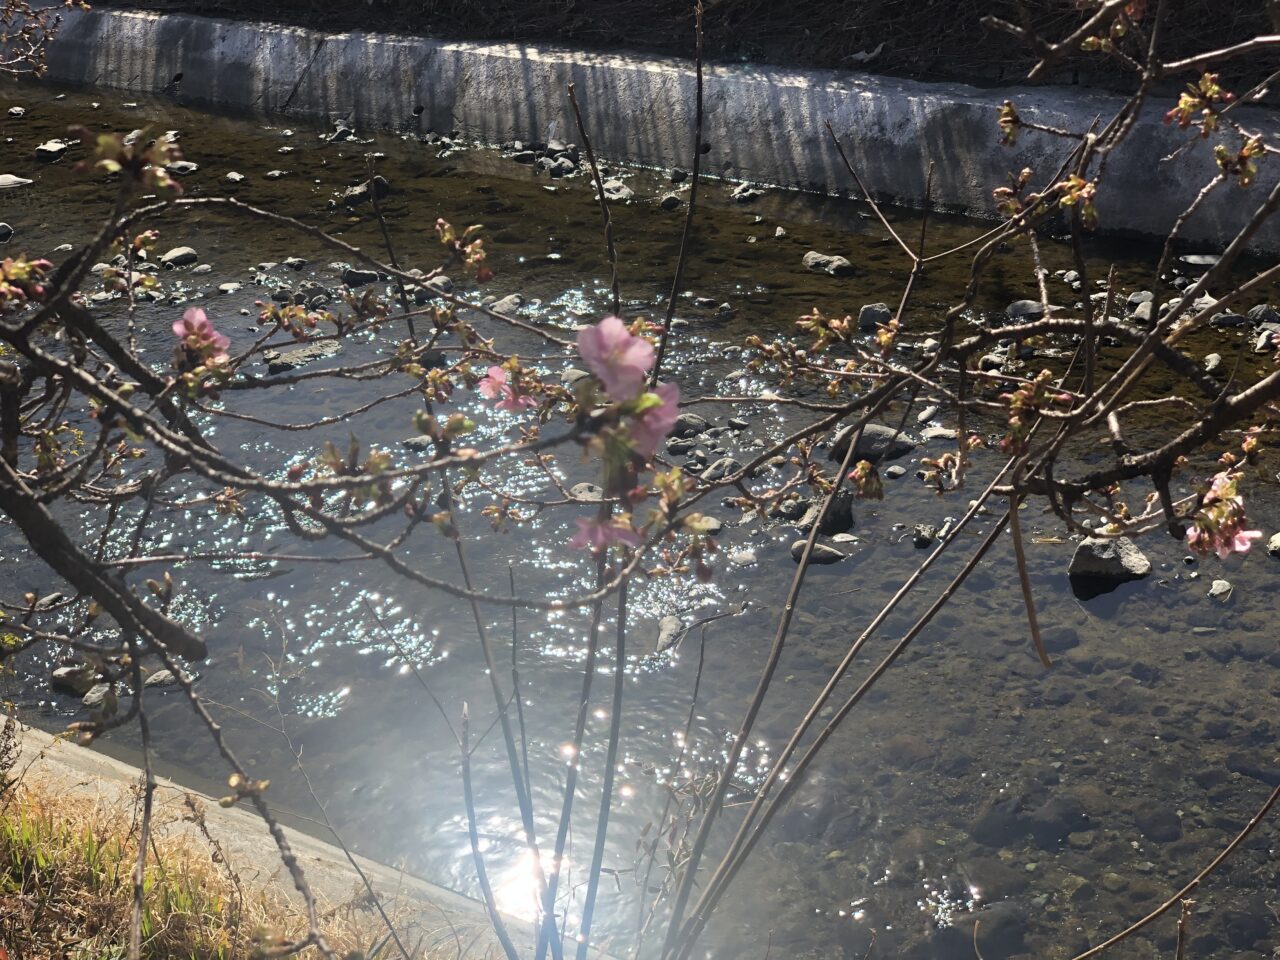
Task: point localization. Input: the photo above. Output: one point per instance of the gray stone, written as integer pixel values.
(873, 315)
(560, 167)
(6, 232)
(1264, 313)
(822, 553)
(923, 534)
(617, 190)
(1158, 823)
(1273, 546)
(96, 696)
(75, 679)
(364, 192)
(1139, 296)
(52, 150)
(689, 425)
(745, 193)
(1213, 363)
(927, 414)
(229, 287)
(162, 678)
(283, 361)
(938, 433)
(670, 201)
(590, 492)
(358, 277)
(679, 176)
(1026, 309)
(182, 168)
(1221, 590)
(1197, 263)
(508, 305)
(571, 375)
(825, 263)
(276, 174)
(876, 443)
(234, 177)
(10, 182)
(895, 471)
(1108, 561)
(720, 469)
(17, 112)
(670, 632)
(1142, 313)
(839, 518)
(179, 257)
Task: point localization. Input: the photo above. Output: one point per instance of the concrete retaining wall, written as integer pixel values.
(454, 924)
(763, 124)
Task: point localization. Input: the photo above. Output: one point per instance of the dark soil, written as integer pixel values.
(927, 39)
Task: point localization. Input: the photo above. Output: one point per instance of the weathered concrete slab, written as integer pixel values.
(763, 124)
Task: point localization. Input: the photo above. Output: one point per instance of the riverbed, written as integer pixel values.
(1056, 805)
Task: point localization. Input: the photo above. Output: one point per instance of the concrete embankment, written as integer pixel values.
(427, 912)
(762, 124)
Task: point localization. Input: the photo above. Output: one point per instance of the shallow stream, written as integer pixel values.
(1056, 805)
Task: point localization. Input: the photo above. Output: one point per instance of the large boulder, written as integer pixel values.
(877, 443)
(1100, 564)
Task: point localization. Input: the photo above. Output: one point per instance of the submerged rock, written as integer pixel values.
(364, 192)
(1220, 590)
(670, 632)
(826, 263)
(284, 361)
(1100, 564)
(822, 553)
(6, 232)
(745, 193)
(77, 679)
(876, 443)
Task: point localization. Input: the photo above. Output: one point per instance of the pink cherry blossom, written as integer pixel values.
(619, 358)
(599, 536)
(654, 424)
(495, 384)
(199, 337)
(1218, 526)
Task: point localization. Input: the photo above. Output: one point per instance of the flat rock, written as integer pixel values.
(286, 360)
(822, 553)
(77, 679)
(179, 257)
(591, 492)
(364, 192)
(876, 443)
(508, 305)
(1220, 590)
(52, 150)
(617, 190)
(182, 168)
(9, 182)
(836, 266)
(720, 469)
(358, 277)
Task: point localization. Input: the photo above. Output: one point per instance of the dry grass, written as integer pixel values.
(66, 888)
